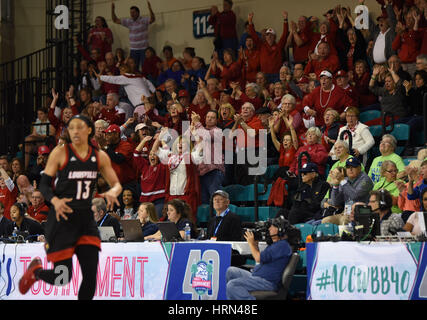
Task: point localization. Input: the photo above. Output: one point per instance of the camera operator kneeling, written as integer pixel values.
(270, 263)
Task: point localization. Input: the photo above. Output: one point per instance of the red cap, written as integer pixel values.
(183, 93)
(112, 128)
(341, 73)
(43, 150)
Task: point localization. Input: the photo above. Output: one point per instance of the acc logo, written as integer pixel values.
(201, 277)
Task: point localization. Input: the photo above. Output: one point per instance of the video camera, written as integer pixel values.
(261, 232)
(367, 223)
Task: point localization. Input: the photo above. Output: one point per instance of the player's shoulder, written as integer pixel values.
(59, 150)
(102, 156)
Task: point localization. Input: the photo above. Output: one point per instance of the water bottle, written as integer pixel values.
(15, 232)
(350, 228)
(348, 205)
(187, 231)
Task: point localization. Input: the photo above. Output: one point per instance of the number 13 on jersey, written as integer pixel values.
(83, 189)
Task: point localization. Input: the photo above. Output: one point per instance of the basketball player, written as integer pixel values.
(70, 227)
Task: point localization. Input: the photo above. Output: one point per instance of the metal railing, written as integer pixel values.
(26, 82)
(25, 86)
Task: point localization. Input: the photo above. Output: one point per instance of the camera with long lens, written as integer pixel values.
(260, 230)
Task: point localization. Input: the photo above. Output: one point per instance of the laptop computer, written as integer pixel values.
(169, 231)
(132, 230)
(107, 234)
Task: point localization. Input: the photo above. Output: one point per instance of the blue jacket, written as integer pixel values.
(418, 190)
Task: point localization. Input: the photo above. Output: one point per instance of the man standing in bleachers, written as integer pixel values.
(138, 31)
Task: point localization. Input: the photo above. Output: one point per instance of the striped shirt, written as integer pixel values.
(138, 32)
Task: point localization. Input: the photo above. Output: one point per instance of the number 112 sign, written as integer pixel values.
(201, 27)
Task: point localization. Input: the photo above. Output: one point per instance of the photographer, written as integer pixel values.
(271, 262)
(381, 202)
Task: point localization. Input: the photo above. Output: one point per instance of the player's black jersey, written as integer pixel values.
(77, 178)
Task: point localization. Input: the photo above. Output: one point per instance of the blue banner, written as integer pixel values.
(198, 271)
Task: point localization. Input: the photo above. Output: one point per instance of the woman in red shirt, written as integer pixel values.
(153, 175)
(151, 65)
(249, 61)
(361, 79)
(289, 144)
(315, 149)
(229, 71)
(100, 36)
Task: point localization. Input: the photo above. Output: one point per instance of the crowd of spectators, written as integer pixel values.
(176, 128)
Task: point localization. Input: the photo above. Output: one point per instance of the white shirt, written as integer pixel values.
(362, 139)
(378, 52)
(135, 87)
(178, 177)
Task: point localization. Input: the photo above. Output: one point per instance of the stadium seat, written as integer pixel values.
(401, 132)
(407, 161)
(419, 138)
(203, 213)
(249, 193)
(271, 169)
(306, 229)
(234, 191)
(302, 263)
(369, 115)
(233, 208)
(328, 229)
(377, 133)
(265, 213)
(246, 214)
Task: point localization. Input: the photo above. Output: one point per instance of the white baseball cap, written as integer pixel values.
(270, 30)
(139, 126)
(326, 73)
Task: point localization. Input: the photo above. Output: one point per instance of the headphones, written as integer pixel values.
(282, 226)
(385, 202)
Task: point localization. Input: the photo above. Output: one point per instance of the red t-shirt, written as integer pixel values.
(202, 112)
(153, 178)
(319, 101)
(408, 45)
(111, 116)
(8, 198)
(331, 63)
(250, 67)
(301, 52)
(125, 170)
(286, 156)
(40, 214)
(97, 42)
(256, 124)
(270, 56)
